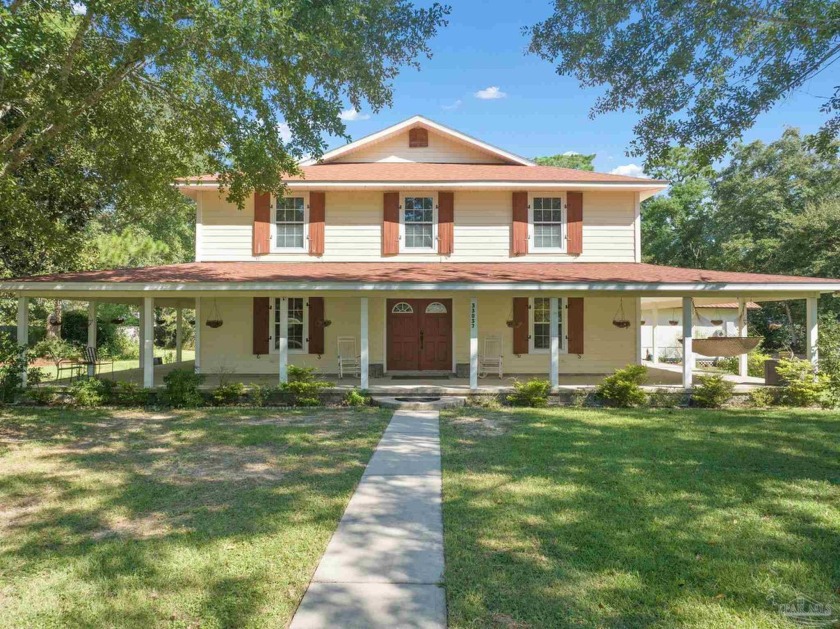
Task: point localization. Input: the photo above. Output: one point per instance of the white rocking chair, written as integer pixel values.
(349, 361)
(490, 360)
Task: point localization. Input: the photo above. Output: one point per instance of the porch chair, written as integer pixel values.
(490, 360)
(91, 357)
(348, 360)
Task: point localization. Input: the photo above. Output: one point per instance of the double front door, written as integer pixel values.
(419, 334)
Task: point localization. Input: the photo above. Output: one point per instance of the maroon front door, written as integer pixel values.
(419, 334)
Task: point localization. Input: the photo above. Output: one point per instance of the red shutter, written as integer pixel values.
(575, 322)
(520, 325)
(391, 224)
(316, 325)
(574, 214)
(262, 224)
(519, 233)
(446, 223)
(262, 314)
(317, 212)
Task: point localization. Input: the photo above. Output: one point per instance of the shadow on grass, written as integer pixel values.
(639, 518)
(211, 518)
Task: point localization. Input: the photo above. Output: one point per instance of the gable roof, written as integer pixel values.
(426, 123)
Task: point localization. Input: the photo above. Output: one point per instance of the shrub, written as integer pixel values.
(303, 387)
(129, 394)
(122, 347)
(665, 398)
(36, 375)
(259, 395)
(829, 353)
(356, 397)
(802, 386)
(624, 387)
(755, 364)
(763, 397)
(227, 394)
(43, 396)
(711, 391)
(579, 398)
(74, 328)
(55, 350)
(182, 388)
(13, 360)
(89, 392)
(533, 393)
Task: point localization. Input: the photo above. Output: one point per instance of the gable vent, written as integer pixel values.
(418, 138)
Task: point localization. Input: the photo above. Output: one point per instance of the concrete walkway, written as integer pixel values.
(383, 563)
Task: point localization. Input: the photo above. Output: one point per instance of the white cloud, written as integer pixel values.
(571, 153)
(349, 115)
(629, 170)
(490, 93)
(284, 131)
(454, 105)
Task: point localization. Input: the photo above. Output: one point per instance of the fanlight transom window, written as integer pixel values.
(435, 308)
(402, 308)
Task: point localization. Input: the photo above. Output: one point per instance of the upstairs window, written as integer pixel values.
(290, 224)
(541, 324)
(547, 225)
(418, 138)
(418, 224)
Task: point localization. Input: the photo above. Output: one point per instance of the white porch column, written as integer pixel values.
(197, 334)
(640, 352)
(654, 344)
(811, 333)
(743, 362)
(91, 340)
(554, 323)
(364, 356)
(473, 343)
(148, 342)
(179, 334)
(688, 351)
(23, 330)
(283, 341)
(141, 336)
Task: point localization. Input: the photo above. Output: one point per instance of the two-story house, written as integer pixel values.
(425, 250)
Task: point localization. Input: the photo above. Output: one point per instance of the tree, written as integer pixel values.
(146, 89)
(578, 161)
(699, 73)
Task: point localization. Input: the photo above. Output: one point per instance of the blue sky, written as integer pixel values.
(541, 112)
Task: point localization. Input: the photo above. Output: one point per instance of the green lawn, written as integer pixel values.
(207, 518)
(122, 365)
(611, 518)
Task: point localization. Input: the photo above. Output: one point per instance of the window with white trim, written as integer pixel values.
(297, 330)
(289, 226)
(540, 324)
(418, 223)
(547, 224)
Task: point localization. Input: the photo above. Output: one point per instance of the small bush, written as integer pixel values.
(303, 387)
(129, 394)
(533, 393)
(357, 398)
(13, 360)
(55, 350)
(762, 398)
(259, 395)
(182, 388)
(228, 394)
(36, 375)
(42, 396)
(802, 386)
(89, 392)
(665, 398)
(755, 364)
(711, 391)
(579, 398)
(624, 387)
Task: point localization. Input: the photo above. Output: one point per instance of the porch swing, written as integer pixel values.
(724, 346)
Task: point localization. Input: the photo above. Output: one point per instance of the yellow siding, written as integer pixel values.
(605, 347)
(441, 150)
(482, 229)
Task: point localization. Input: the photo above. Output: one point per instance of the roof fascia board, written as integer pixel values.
(367, 185)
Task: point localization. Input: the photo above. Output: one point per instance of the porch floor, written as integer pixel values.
(660, 375)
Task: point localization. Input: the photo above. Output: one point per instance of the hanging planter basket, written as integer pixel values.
(513, 324)
(118, 320)
(725, 346)
(215, 320)
(619, 320)
(717, 321)
(642, 322)
(323, 323)
(673, 322)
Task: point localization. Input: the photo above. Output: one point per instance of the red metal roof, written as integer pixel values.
(426, 172)
(429, 272)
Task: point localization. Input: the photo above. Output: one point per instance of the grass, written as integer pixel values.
(120, 364)
(612, 518)
(211, 518)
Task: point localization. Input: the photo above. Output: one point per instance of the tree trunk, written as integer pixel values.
(793, 339)
(54, 321)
